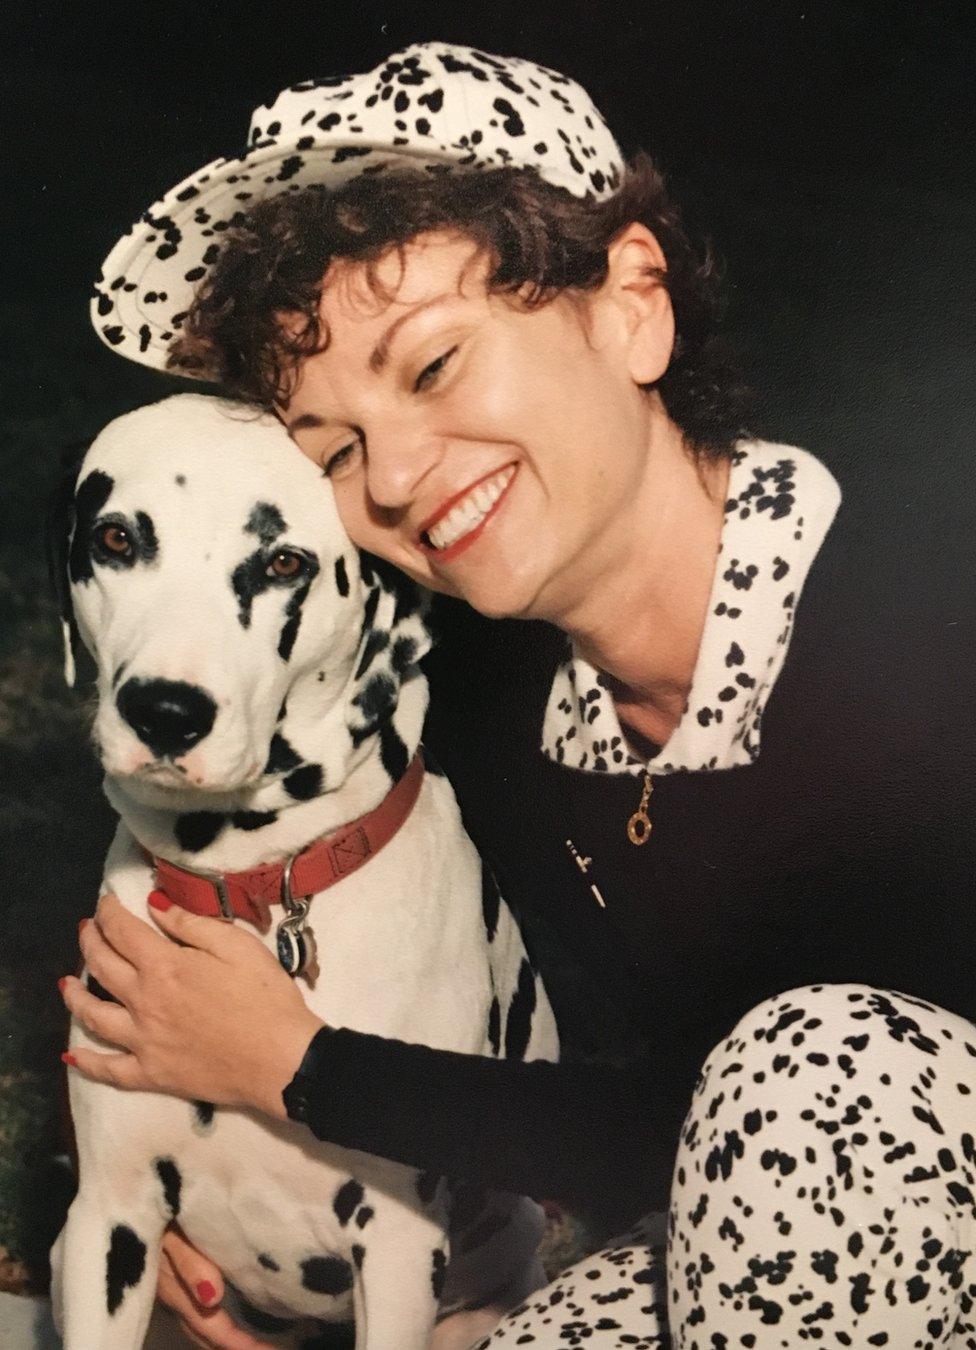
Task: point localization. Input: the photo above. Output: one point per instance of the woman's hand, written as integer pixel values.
(193, 1287)
(206, 1011)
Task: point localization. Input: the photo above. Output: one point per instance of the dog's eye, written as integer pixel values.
(286, 565)
(114, 540)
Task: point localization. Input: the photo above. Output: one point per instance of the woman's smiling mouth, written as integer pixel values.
(459, 522)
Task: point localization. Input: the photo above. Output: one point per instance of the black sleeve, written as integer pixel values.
(595, 1136)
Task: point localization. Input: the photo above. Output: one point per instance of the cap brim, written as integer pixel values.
(148, 280)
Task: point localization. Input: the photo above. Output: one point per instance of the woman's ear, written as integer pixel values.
(635, 271)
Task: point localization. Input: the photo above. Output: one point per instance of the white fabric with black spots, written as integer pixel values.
(781, 502)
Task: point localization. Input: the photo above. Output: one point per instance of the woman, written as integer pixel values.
(510, 378)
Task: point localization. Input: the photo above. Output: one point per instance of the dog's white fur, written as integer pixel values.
(403, 946)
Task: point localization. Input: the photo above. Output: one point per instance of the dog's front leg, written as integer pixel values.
(398, 1282)
(107, 1258)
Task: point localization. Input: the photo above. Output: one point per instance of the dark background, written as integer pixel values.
(826, 148)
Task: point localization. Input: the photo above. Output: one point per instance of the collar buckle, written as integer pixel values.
(217, 881)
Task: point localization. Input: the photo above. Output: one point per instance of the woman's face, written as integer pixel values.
(488, 450)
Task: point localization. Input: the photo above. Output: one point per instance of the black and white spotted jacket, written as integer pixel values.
(811, 822)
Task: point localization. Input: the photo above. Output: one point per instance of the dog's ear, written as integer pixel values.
(393, 640)
(60, 523)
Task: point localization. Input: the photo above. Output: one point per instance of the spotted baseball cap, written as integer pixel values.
(431, 107)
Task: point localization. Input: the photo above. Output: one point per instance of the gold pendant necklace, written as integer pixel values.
(639, 825)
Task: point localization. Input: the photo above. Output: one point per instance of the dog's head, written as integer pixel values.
(213, 583)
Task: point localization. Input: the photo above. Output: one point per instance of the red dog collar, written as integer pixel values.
(250, 895)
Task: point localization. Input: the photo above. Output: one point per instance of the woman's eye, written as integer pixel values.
(430, 373)
(343, 459)
(286, 565)
(114, 540)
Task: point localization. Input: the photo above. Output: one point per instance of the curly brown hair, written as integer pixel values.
(541, 241)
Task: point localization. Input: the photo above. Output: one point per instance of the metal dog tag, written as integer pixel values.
(294, 943)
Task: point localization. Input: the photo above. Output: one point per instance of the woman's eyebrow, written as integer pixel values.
(303, 422)
(377, 359)
(381, 352)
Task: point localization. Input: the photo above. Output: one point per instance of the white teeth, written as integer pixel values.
(471, 510)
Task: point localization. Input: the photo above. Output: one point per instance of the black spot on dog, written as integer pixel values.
(148, 544)
(341, 576)
(407, 592)
(203, 1113)
(376, 699)
(408, 596)
(253, 820)
(124, 1266)
(180, 480)
(268, 1262)
(490, 901)
(518, 1027)
(281, 756)
(293, 612)
(438, 1271)
(172, 1182)
(403, 658)
(393, 752)
(248, 579)
(92, 494)
(347, 1199)
(266, 1323)
(426, 1185)
(371, 605)
(363, 1217)
(267, 522)
(305, 783)
(99, 990)
(194, 830)
(376, 641)
(326, 1275)
(495, 1025)
(358, 1255)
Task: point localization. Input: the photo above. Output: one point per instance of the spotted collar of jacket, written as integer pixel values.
(781, 502)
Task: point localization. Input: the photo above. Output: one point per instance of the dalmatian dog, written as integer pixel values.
(259, 698)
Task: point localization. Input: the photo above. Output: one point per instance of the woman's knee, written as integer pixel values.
(837, 1029)
(829, 1147)
(837, 1088)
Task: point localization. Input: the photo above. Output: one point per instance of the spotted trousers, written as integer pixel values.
(823, 1195)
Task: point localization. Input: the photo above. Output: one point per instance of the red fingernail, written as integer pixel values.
(159, 900)
(69, 1059)
(62, 982)
(82, 924)
(206, 1293)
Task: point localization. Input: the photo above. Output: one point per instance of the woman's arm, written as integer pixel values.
(591, 1135)
(211, 1015)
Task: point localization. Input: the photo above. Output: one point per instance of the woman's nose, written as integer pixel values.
(397, 462)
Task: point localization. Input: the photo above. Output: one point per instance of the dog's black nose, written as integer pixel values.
(167, 715)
